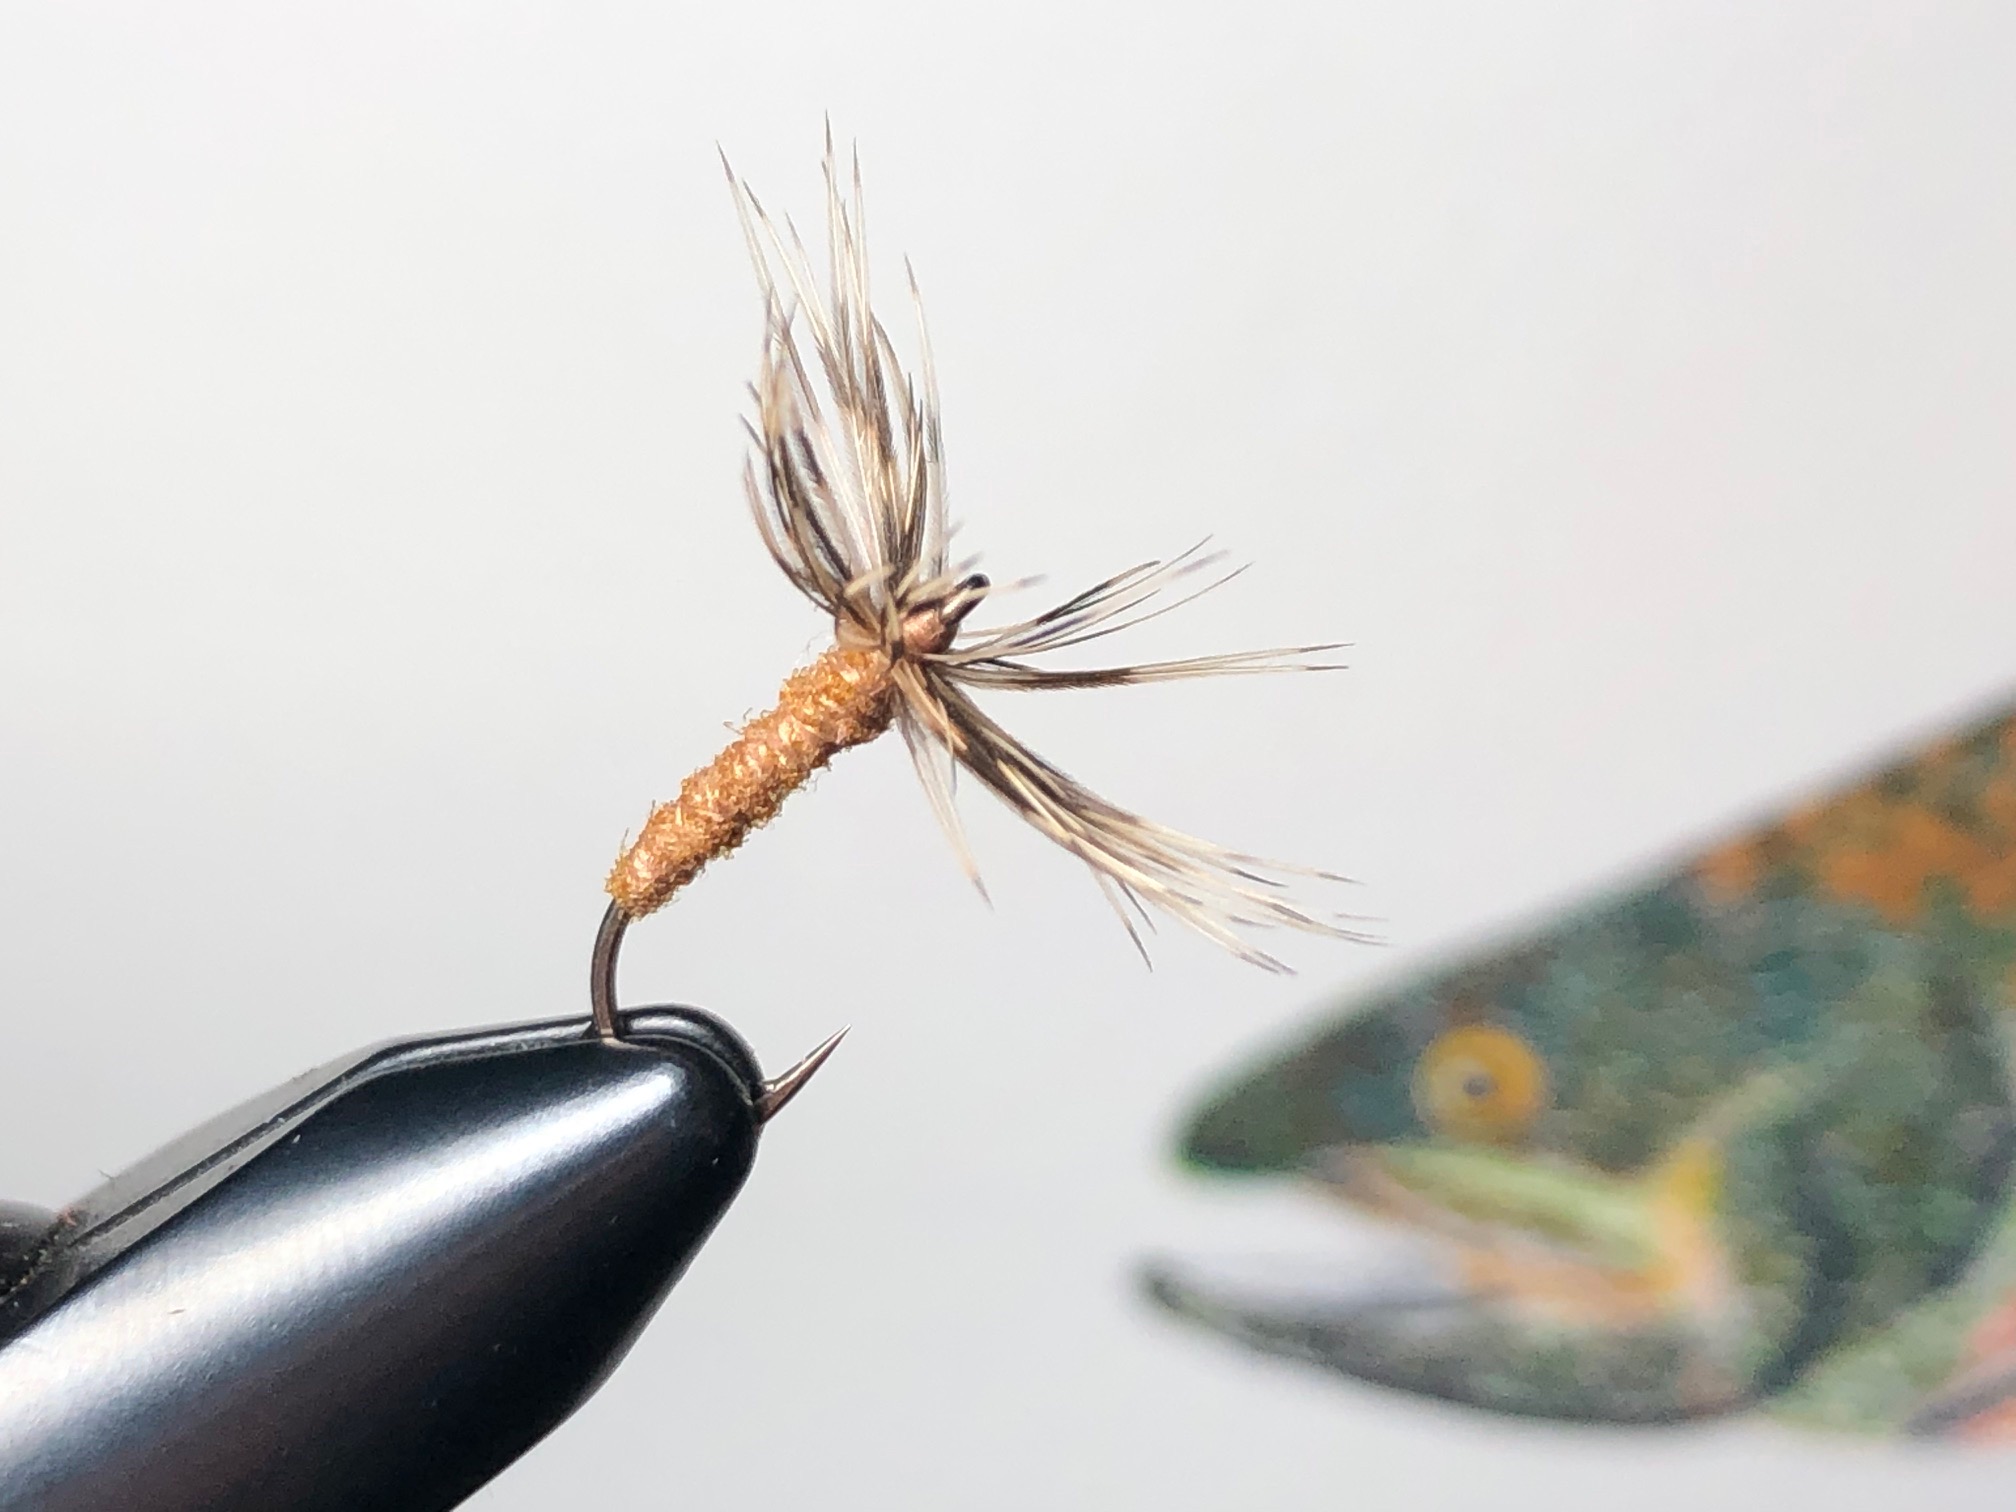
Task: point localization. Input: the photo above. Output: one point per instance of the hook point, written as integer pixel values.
(779, 1090)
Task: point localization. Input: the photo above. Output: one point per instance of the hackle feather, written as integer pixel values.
(847, 485)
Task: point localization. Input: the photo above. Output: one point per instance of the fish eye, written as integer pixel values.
(1479, 1082)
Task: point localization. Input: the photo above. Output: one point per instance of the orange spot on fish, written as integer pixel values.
(1991, 890)
(1896, 851)
(1989, 1348)
(1995, 1426)
(1943, 824)
(1731, 872)
(1993, 1335)
(1802, 825)
(1998, 802)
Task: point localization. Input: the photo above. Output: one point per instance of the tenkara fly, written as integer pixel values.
(847, 486)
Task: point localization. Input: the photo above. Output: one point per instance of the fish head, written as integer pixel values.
(1649, 1163)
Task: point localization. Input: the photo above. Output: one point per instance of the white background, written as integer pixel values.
(1631, 384)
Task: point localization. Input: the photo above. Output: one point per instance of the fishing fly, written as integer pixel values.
(846, 483)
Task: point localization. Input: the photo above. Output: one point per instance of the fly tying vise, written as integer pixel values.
(847, 488)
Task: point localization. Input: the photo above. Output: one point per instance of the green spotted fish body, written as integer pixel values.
(1742, 1137)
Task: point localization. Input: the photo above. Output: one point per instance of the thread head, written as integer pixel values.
(929, 628)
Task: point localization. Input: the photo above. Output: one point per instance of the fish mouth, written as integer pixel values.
(1517, 1284)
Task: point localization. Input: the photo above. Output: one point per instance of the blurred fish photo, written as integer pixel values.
(1737, 1139)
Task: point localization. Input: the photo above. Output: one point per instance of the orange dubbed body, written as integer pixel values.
(845, 698)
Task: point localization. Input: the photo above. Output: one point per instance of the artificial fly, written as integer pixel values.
(847, 487)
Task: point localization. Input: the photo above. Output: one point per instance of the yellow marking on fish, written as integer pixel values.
(1688, 1270)
(1480, 1082)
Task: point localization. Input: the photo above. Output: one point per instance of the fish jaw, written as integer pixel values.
(1554, 1235)
(1545, 1288)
